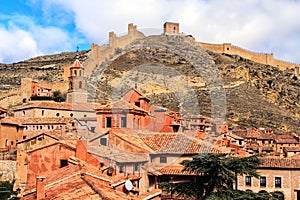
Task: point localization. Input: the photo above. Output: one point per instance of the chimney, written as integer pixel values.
(81, 150)
(40, 187)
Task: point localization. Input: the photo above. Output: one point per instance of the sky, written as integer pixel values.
(29, 28)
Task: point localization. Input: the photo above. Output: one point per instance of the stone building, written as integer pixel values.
(11, 131)
(41, 153)
(134, 111)
(277, 175)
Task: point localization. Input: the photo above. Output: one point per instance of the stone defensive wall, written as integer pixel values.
(98, 54)
(263, 58)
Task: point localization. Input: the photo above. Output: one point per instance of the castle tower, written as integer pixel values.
(171, 28)
(77, 92)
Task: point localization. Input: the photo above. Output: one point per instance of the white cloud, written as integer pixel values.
(257, 25)
(22, 39)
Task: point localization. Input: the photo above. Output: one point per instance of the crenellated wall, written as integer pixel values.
(99, 53)
(263, 58)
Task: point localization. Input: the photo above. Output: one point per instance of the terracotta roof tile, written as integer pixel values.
(59, 106)
(286, 139)
(77, 182)
(177, 143)
(117, 155)
(283, 163)
(118, 105)
(258, 134)
(174, 170)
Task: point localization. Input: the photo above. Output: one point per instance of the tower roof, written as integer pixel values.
(77, 64)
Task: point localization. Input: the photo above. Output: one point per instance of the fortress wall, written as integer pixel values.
(99, 53)
(263, 58)
(63, 86)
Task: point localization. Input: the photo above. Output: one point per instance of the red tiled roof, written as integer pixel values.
(4, 110)
(59, 106)
(291, 149)
(286, 139)
(258, 134)
(12, 120)
(80, 181)
(38, 120)
(283, 163)
(117, 155)
(177, 143)
(76, 64)
(174, 170)
(118, 105)
(132, 137)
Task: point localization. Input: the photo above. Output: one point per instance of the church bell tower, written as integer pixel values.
(77, 92)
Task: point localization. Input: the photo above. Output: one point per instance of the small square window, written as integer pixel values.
(248, 180)
(163, 159)
(278, 182)
(63, 163)
(263, 181)
(103, 141)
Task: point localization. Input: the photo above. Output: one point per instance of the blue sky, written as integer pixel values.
(29, 28)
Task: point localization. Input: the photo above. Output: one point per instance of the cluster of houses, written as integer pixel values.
(125, 149)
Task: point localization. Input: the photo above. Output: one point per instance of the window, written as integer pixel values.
(278, 182)
(80, 84)
(139, 123)
(123, 122)
(57, 114)
(248, 180)
(75, 72)
(108, 122)
(163, 159)
(71, 114)
(121, 168)
(93, 129)
(43, 112)
(137, 104)
(263, 181)
(63, 163)
(103, 141)
(136, 166)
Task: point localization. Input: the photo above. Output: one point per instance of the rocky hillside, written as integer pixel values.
(256, 95)
(48, 68)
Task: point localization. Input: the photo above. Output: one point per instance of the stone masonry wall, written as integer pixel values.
(263, 58)
(7, 170)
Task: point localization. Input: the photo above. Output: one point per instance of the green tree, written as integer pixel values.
(58, 96)
(217, 173)
(6, 190)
